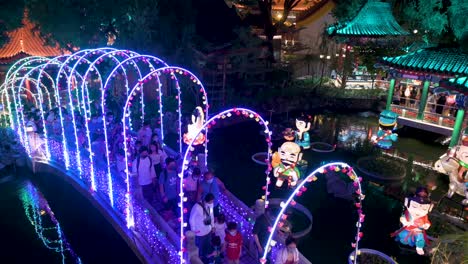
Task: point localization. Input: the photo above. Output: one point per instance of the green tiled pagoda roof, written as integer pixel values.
(459, 84)
(431, 60)
(375, 19)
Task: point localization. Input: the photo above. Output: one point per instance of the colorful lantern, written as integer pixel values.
(302, 135)
(415, 221)
(387, 124)
(198, 119)
(289, 134)
(289, 154)
(455, 165)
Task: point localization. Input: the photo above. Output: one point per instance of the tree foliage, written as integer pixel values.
(457, 20)
(346, 10)
(269, 25)
(426, 16)
(11, 14)
(163, 27)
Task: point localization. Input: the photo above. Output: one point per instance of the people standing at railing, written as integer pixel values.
(407, 95)
(142, 168)
(201, 223)
(431, 102)
(211, 184)
(440, 103)
(413, 94)
(402, 96)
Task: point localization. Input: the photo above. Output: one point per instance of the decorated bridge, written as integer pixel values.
(60, 108)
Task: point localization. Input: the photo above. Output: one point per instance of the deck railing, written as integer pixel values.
(444, 119)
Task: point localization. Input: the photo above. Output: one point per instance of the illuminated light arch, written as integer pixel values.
(41, 100)
(93, 68)
(120, 65)
(20, 64)
(11, 76)
(16, 90)
(212, 121)
(131, 60)
(20, 114)
(30, 70)
(172, 70)
(64, 65)
(134, 92)
(300, 188)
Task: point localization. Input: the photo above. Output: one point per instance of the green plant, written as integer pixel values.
(451, 246)
(9, 146)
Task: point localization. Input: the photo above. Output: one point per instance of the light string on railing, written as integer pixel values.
(334, 167)
(244, 112)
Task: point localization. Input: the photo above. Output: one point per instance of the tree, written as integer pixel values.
(162, 27)
(269, 25)
(11, 14)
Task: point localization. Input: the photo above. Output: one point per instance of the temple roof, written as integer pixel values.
(24, 41)
(375, 19)
(444, 61)
(460, 84)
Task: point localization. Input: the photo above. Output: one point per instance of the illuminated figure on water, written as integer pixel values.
(415, 221)
(455, 165)
(198, 119)
(284, 164)
(387, 124)
(302, 137)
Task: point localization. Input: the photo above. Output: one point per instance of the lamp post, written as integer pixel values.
(323, 66)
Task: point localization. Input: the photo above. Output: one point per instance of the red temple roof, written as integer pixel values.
(25, 41)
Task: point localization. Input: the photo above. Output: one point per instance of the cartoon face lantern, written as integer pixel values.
(415, 221)
(198, 119)
(385, 136)
(302, 134)
(289, 154)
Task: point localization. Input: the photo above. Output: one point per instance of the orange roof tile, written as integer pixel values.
(25, 40)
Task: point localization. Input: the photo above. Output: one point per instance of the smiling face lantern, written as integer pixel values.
(289, 154)
(415, 221)
(198, 119)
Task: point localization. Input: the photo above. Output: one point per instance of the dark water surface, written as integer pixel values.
(33, 217)
(334, 219)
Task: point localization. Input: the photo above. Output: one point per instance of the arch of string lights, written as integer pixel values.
(242, 112)
(136, 91)
(335, 167)
(65, 82)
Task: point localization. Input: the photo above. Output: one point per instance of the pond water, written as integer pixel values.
(334, 219)
(62, 228)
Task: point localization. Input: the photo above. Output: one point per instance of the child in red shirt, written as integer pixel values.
(233, 245)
